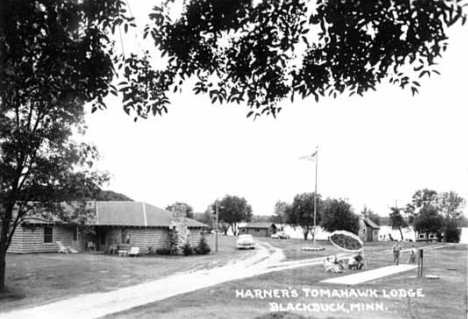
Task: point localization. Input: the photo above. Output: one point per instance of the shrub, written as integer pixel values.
(187, 249)
(203, 248)
(453, 233)
(163, 251)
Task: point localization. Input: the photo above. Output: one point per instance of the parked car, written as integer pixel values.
(245, 241)
(280, 235)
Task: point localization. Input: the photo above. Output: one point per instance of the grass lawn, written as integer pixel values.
(445, 297)
(34, 279)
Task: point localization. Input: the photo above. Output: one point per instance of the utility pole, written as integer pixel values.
(314, 157)
(315, 195)
(216, 227)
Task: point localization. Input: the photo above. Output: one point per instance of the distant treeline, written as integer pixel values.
(111, 196)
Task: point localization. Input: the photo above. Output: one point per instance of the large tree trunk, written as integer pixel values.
(4, 234)
(2, 266)
(3, 250)
(401, 232)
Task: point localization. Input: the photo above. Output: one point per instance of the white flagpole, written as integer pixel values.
(315, 195)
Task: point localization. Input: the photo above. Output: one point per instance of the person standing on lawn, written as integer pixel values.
(412, 256)
(396, 253)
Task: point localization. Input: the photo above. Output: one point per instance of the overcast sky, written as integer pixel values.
(375, 150)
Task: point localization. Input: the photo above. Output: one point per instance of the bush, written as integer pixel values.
(163, 251)
(453, 233)
(187, 249)
(203, 248)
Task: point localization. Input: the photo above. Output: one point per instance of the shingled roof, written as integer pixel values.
(124, 213)
(136, 214)
(369, 223)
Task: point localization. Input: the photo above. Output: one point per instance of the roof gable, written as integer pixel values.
(369, 223)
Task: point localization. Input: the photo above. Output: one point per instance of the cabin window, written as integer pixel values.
(48, 234)
(75, 233)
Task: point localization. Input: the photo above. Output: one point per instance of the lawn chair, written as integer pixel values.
(134, 251)
(62, 248)
(112, 249)
(91, 246)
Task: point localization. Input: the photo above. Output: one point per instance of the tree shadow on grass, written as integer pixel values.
(280, 315)
(11, 294)
(285, 315)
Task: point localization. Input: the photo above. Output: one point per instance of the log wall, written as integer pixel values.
(31, 239)
(144, 238)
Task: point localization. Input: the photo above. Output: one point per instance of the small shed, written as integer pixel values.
(368, 230)
(259, 229)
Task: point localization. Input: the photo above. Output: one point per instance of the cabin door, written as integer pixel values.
(101, 239)
(76, 238)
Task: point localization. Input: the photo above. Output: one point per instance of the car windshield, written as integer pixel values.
(245, 237)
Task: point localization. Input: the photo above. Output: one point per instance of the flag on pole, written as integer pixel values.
(310, 157)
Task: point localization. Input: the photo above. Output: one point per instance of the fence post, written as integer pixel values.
(420, 263)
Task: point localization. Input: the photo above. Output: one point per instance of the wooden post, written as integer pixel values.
(420, 263)
(365, 259)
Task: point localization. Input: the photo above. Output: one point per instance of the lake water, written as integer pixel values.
(408, 233)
